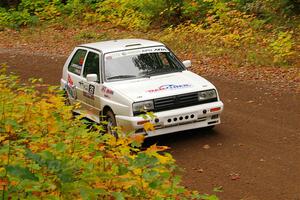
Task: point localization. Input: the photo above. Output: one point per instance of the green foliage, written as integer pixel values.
(123, 13)
(141, 14)
(282, 46)
(16, 19)
(270, 8)
(235, 35)
(135, 14)
(241, 30)
(48, 153)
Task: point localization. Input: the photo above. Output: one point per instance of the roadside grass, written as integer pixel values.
(242, 48)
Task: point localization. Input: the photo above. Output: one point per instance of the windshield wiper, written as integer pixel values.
(120, 77)
(161, 72)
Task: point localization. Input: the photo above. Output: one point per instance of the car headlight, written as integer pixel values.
(142, 107)
(207, 94)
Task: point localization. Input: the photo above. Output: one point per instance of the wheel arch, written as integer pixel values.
(105, 110)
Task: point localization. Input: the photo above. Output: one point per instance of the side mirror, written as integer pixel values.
(187, 63)
(91, 77)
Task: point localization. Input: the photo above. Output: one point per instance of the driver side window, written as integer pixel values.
(91, 65)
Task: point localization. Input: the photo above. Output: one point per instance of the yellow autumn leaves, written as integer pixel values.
(46, 152)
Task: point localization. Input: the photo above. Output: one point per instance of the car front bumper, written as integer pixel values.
(180, 119)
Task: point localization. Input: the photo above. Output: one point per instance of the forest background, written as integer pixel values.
(247, 32)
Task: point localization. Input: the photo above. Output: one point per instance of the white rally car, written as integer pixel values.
(123, 79)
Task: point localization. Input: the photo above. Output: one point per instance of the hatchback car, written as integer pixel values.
(124, 79)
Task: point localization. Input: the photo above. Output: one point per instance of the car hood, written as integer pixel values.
(160, 86)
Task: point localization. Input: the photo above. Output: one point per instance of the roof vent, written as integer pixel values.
(132, 45)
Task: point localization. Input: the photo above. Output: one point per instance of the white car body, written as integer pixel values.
(173, 95)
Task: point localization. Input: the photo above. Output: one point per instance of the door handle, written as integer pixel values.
(80, 82)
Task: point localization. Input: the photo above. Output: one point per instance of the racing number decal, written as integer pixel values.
(91, 89)
(90, 92)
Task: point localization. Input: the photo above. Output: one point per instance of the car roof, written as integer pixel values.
(122, 44)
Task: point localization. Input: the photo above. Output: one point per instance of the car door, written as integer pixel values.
(91, 90)
(74, 79)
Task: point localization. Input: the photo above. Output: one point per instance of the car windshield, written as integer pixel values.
(140, 63)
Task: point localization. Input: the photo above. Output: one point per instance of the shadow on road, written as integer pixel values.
(184, 137)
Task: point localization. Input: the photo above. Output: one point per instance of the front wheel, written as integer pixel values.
(208, 128)
(111, 123)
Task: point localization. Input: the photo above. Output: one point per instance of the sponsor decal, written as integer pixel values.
(135, 52)
(169, 87)
(70, 81)
(107, 91)
(71, 88)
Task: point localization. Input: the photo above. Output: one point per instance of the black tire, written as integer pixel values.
(208, 128)
(111, 123)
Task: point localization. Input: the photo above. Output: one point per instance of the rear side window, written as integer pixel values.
(91, 65)
(76, 63)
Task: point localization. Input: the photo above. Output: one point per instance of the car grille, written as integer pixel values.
(179, 101)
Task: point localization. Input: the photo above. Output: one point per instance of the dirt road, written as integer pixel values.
(254, 154)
